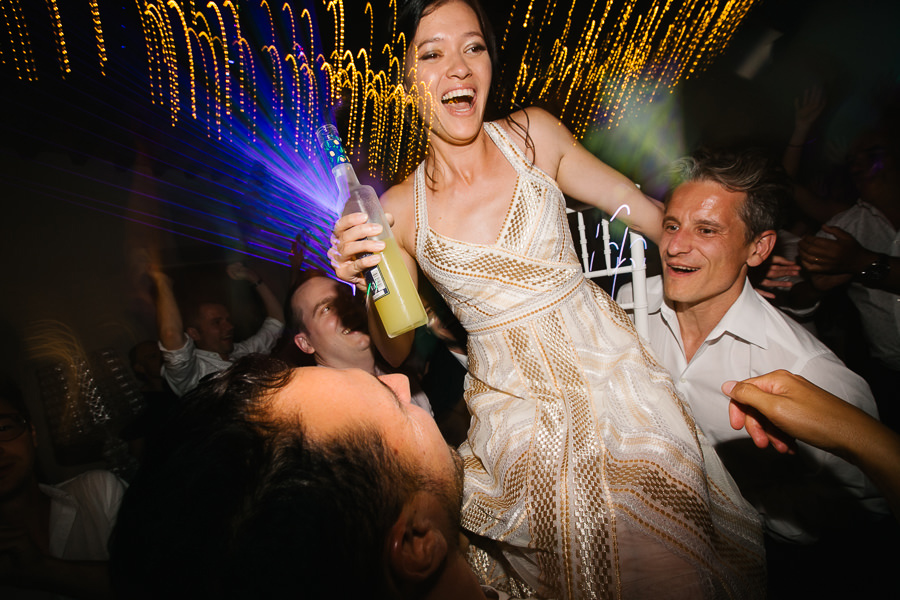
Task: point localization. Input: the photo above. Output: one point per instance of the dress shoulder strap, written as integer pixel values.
(420, 207)
(515, 155)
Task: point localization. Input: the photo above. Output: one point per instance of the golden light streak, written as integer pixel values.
(17, 47)
(605, 58)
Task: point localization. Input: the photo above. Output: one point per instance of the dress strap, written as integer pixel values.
(421, 209)
(515, 155)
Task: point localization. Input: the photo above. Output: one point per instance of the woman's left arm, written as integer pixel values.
(588, 179)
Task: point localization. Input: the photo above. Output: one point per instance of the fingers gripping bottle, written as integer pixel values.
(396, 300)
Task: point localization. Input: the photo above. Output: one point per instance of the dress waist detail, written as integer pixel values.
(527, 311)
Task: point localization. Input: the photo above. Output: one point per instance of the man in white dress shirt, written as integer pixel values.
(708, 325)
(202, 342)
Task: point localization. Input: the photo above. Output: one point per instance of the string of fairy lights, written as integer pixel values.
(610, 57)
(242, 85)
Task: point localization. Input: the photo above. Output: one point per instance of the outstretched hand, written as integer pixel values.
(809, 107)
(780, 407)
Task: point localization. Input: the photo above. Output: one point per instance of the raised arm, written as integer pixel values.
(240, 272)
(168, 315)
(807, 109)
(588, 179)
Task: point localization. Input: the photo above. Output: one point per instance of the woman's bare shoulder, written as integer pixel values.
(535, 130)
(534, 120)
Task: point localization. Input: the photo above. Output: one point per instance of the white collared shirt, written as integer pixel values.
(185, 367)
(82, 514)
(754, 338)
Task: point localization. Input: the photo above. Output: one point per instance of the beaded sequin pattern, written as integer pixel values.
(583, 465)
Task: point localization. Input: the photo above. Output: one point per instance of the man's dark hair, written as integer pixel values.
(234, 503)
(751, 172)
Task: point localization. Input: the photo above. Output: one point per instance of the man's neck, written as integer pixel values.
(364, 361)
(455, 582)
(696, 321)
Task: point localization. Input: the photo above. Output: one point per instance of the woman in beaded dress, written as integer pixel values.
(586, 476)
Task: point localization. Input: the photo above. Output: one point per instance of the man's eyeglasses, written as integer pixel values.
(11, 426)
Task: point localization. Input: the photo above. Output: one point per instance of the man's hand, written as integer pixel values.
(842, 255)
(808, 108)
(779, 267)
(240, 272)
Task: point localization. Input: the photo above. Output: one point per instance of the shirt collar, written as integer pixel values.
(745, 320)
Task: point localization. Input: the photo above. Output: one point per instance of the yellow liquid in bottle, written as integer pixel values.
(400, 309)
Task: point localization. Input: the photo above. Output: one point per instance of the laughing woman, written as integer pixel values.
(586, 476)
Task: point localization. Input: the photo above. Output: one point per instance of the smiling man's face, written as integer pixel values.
(704, 247)
(335, 343)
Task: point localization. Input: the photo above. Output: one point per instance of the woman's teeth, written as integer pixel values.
(459, 96)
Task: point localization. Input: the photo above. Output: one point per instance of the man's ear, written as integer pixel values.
(762, 248)
(302, 342)
(417, 546)
(193, 333)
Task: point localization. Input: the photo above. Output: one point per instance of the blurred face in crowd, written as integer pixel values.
(872, 164)
(704, 247)
(331, 401)
(17, 455)
(335, 324)
(213, 330)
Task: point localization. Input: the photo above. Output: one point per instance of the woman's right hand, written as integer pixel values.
(348, 241)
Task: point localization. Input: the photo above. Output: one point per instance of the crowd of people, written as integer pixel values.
(730, 452)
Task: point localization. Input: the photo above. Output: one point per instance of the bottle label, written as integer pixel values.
(376, 284)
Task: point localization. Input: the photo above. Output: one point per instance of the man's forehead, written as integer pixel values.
(324, 397)
(312, 290)
(213, 308)
(704, 194)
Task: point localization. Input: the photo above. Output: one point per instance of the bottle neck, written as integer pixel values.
(345, 177)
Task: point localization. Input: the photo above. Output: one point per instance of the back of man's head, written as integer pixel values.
(234, 503)
(751, 172)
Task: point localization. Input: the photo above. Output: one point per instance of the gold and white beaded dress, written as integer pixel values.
(585, 474)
